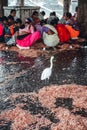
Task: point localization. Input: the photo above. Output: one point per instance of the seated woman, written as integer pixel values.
(73, 32)
(11, 24)
(28, 28)
(8, 30)
(36, 21)
(50, 36)
(7, 33)
(27, 36)
(71, 26)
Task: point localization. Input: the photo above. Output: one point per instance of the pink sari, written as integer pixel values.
(1, 29)
(28, 40)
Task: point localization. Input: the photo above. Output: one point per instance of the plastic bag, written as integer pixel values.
(12, 41)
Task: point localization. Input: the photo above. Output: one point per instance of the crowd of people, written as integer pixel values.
(52, 29)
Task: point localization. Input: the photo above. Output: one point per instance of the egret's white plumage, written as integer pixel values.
(48, 71)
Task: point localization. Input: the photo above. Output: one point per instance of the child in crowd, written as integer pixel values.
(29, 28)
(11, 24)
(18, 24)
(7, 33)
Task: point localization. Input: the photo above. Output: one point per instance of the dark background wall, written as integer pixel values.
(82, 16)
(3, 3)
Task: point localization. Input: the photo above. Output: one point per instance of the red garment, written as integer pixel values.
(63, 33)
(1, 29)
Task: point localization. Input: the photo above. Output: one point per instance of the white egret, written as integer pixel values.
(48, 71)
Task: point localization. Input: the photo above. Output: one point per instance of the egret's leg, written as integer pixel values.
(46, 83)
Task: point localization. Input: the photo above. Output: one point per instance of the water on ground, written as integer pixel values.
(23, 74)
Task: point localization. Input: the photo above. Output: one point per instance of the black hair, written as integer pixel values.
(54, 13)
(43, 13)
(76, 9)
(11, 17)
(54, 22)
(51, 14)
(12, 10)
(22, 26)
(18, 20)
(69, 15)
(43, 22)
(35, 12)
(28, 20)
(4, 18)
(0, 19)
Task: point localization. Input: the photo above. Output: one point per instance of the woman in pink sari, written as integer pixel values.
(27, 36)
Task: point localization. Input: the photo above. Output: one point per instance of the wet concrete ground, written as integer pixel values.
(22, 75)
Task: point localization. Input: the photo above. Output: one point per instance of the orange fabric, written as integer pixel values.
(12, 29)
(63, 33)
(73, 33)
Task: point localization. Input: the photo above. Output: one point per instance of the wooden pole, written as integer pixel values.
(3, 3)
(82, 16)
(66, 6)
(22, 2)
